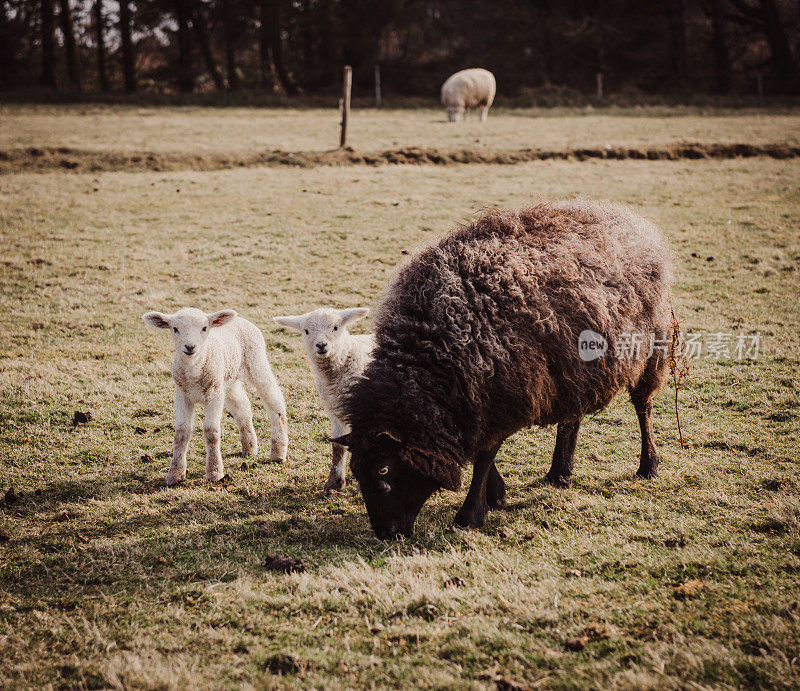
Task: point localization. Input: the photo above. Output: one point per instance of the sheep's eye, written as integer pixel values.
(306, 331)
(204, 328)
(175, 329)
(335, 328)
(384, 470)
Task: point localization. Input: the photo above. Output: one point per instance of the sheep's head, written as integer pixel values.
(323, 329)
(455, 113)
(189, 327)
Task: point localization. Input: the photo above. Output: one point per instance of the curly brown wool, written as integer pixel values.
(478, 338)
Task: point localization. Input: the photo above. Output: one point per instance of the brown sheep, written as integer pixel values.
(484, 333)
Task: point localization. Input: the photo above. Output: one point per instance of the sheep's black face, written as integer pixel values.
(393, 492)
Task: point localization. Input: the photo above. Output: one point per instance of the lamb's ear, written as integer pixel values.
(344, 440)
(437, 467)
(220, 318)
(352, 315)
(157, 320)
(291, 322)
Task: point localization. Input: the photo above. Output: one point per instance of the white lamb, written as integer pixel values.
(337, 358)
(467, 89)
(213, 354)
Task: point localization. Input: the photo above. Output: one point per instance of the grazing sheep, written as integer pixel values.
(483, 334)
(467, 89)
(213, 354)
(337, 359)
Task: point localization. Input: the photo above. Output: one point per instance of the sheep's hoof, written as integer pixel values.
(216, 476)
(556, 480)
(333, 484)
(473, 517)
(250, 449)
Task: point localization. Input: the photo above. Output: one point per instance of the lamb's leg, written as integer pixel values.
(336, 479)
(495, 489)
(484, 113)
(564, 454)
(238, 405)
(184, 411)
(473, 513)
(269, 391)
(211, 429)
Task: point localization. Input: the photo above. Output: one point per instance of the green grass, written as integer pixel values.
(110, 578)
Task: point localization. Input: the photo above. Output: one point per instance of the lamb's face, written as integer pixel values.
(323, 330)
(189, 328)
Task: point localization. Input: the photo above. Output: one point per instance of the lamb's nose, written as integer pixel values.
(322, 347)
(188, 349)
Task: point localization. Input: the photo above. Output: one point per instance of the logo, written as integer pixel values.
(591, 345)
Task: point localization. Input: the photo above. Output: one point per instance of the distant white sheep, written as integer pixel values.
(213, 354)
(467, 89)
(337, 359)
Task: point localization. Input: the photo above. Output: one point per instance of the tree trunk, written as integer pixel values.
(778, 43)
(204, 42)
(185, 72)
(286, 81)
(229, 28)
(722, 60)
(67, 29)
(676, 21)
(99, 27)
(269, 79)
(48, 77)
(128, 57)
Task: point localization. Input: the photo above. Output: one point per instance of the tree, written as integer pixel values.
(99, 28)
(128, 56)
(722, 60)
(200, 27)
(271, 12)
(68, 31)
(185, 67)
(676, 21)
(48, 76)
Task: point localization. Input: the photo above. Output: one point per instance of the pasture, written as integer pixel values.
(108, 578)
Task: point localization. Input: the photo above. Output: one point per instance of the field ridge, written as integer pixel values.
(44, 159)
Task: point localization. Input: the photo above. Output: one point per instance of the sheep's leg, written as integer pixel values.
(336, 479)
(648, 462)
(495, 489)
(484, 113)
(238, 405)
(269, 391)
(473, 513)
(564, 454)
(184, 412)
(211, 429)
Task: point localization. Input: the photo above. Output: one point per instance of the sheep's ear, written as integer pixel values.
(390, 436)
(352, 315)
(437, 467)
(291, 322)
(157, 320)
(220, 318)
(344, 440)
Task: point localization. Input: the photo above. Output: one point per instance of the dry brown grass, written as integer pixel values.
(110, 579)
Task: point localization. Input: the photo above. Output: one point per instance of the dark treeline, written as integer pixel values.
(299, 46)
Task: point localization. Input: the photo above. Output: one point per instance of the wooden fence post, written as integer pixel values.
(348, 83)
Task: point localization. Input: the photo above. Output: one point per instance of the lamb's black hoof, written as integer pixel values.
(496, 503)
(648, 468)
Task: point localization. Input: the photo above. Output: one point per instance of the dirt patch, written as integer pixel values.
(49, 159)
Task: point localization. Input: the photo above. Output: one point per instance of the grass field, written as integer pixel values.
(108, 578)
(240, 130)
